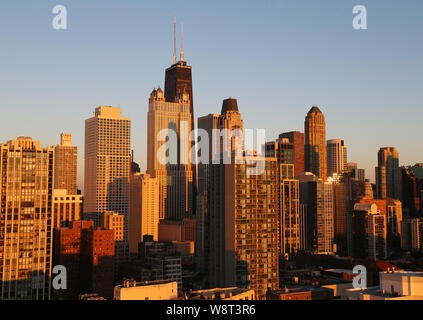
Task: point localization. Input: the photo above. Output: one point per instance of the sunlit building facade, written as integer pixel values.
(315, 143)
(26, 220)
(107, 163)
(243, 225)
(65, 165)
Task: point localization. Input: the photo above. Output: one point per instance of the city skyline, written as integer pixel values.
(68, 101)
(118, 167)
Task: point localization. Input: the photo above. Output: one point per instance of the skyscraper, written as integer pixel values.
(336, 156)
(281, 149)
(315, 143)
(225, 135)
(107, 163)
(243, 225)
(144, 212)
(169, 160)
(410, 193)
(367, 233)
(178, 80)
(26, 222)
(288, 216)
(297, 139)
(388, 176)
(289, 211)
(317, 198)
(65, 165)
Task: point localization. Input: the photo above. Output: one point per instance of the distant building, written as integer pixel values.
(289, 212)
(144, 209)
(412, 234)
(107, 163)
(367, 234)
(388, 176)
(149, 290)
(315, 143)
(65, 165)
(281, 149)
(336, 156)
(411, 189)
(297, 139)
(316, 197)
(394, 218)
(66, 207)
(358, 174)
(170, 230)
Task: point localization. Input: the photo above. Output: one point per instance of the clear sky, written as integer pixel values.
(278, 58)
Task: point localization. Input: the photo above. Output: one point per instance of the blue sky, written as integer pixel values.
(278, 58)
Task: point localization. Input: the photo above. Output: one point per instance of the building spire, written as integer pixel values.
(174, 40)
(182, 42)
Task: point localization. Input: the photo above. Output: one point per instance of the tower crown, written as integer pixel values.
(314, 109)
(229, 104)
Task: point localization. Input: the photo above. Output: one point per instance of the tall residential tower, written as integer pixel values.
(315, 143)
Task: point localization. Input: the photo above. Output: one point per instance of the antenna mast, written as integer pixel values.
(182, 42)
(174, 40)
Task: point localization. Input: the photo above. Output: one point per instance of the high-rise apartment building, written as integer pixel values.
(282, 150)
(388, 175)
(144, 212)
(316, 197)
(394, 216)
(358, 174)
(297, 139)
(65, 165)
(243, 214)
(107, 163)
(315, 143)
(225, 135)
(411, 188)
(341, 206)
(336, 156)
(169, 160)
(367, 235)
(26, 220)
(412, 234)
(288, 217)
(66, 207)
(289, 211)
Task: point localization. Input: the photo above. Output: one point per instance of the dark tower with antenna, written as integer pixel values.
(178, 77)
